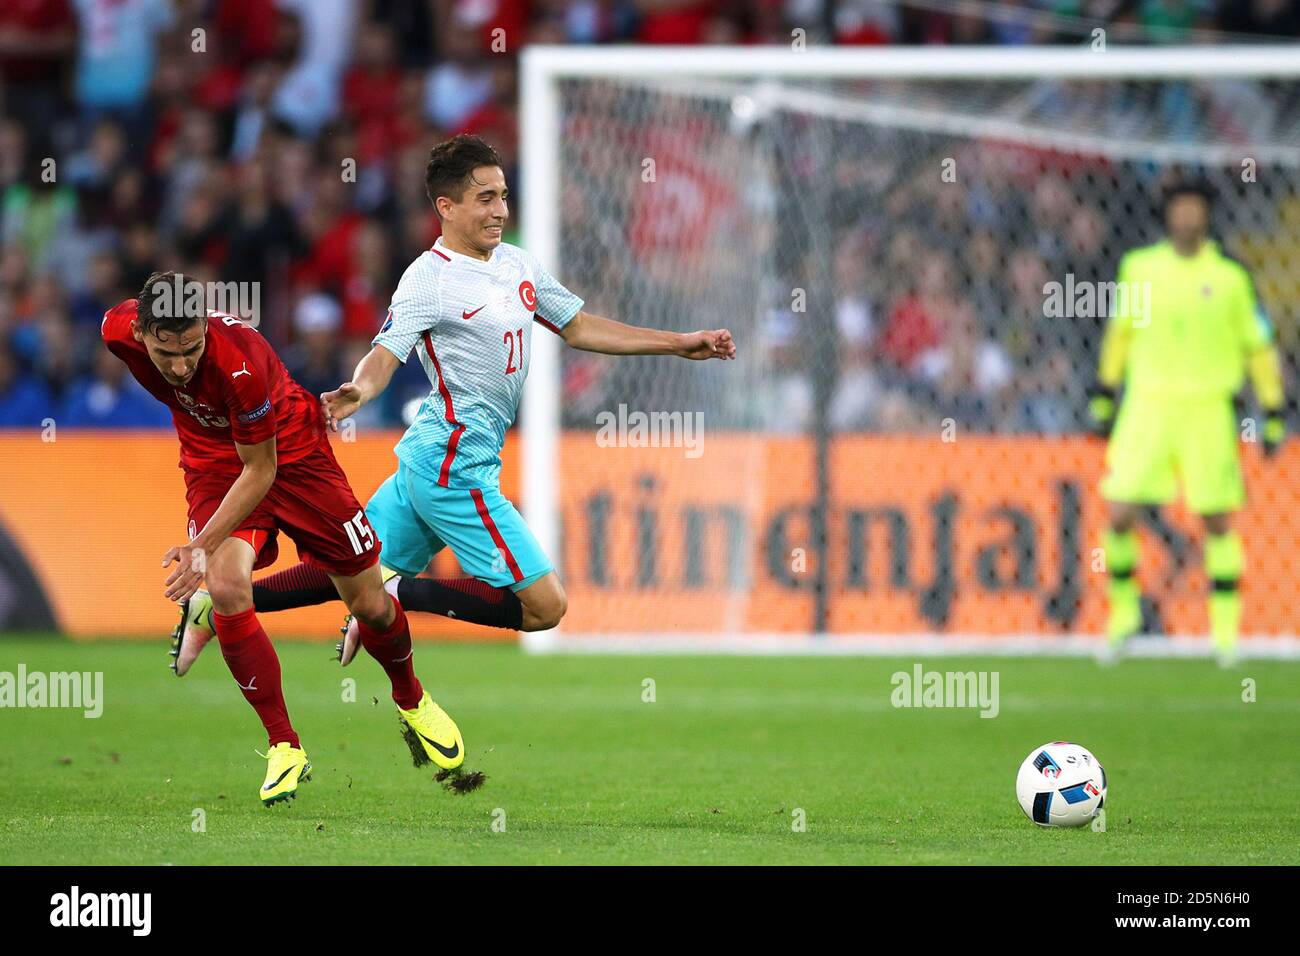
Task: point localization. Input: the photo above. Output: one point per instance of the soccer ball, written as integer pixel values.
(1061, 785)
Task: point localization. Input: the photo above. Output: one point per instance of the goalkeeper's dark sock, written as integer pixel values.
(298, 586)
(1125, 595)
(1224, 560)
(465, 599)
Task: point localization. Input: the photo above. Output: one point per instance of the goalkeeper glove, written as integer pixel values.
(1274, 432)
(1101, 409)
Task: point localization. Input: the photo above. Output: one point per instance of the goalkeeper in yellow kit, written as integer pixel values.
(1184, 333)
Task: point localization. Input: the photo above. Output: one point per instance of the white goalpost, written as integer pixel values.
(897, 461)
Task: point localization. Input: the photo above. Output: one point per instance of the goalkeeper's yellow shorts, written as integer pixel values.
(1162, 441)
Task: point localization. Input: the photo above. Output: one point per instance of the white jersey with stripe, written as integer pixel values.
(470, 321)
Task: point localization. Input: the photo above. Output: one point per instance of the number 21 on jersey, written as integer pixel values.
(513, 364)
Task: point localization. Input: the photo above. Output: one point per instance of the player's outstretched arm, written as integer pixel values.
(595, 333)
(245, 494)
(371, 377)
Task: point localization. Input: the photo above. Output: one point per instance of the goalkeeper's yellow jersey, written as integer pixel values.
(1191, 322)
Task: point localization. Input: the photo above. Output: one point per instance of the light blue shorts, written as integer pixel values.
(416, 518)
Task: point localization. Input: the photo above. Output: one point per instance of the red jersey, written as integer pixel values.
(240, 393)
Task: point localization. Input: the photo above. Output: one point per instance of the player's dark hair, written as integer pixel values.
(1190, 186)
(452, 164)
(162, 305)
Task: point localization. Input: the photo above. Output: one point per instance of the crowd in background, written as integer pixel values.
(869, 289)
(283, 142)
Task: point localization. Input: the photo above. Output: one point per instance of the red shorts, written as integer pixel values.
(310, 501)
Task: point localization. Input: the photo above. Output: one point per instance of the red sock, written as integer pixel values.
(392, 648)
(253, 664)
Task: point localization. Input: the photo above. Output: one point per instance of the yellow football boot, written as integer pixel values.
(285, 767)
(432, 735)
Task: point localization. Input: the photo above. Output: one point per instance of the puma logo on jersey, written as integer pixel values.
(470, 315)
(242, 371)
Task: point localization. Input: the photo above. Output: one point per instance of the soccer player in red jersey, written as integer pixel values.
(257, 461)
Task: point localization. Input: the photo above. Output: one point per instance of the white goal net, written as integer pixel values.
(912, 250)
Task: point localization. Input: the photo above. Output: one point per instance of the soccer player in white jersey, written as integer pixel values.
(466, 308)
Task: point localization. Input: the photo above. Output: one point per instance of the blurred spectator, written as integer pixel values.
(261, 235)
(367, 291)
(58, 353)
(247, 29)
(674, 21)
(95, 167)
(371, 92)
(1024, 326)
(189, 163)
(1280, 18)
(308, 96)
(970, 373)
(916, 321)
(985, 276)
(858, 385)
(788, 406)
(25, 401)
(331, 227)
(111, 398)
(1051, 396)
(13, 152)
(460, 85)
(586, 21)
(314, 360)
(38, 214)
(36, 40)
(94, 172)
(411, 25)
(104, 289)
(118, 50)
(253, 110)
(1169, 21)
(139, 255)
(859, 22)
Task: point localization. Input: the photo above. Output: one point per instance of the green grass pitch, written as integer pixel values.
(582, 770)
